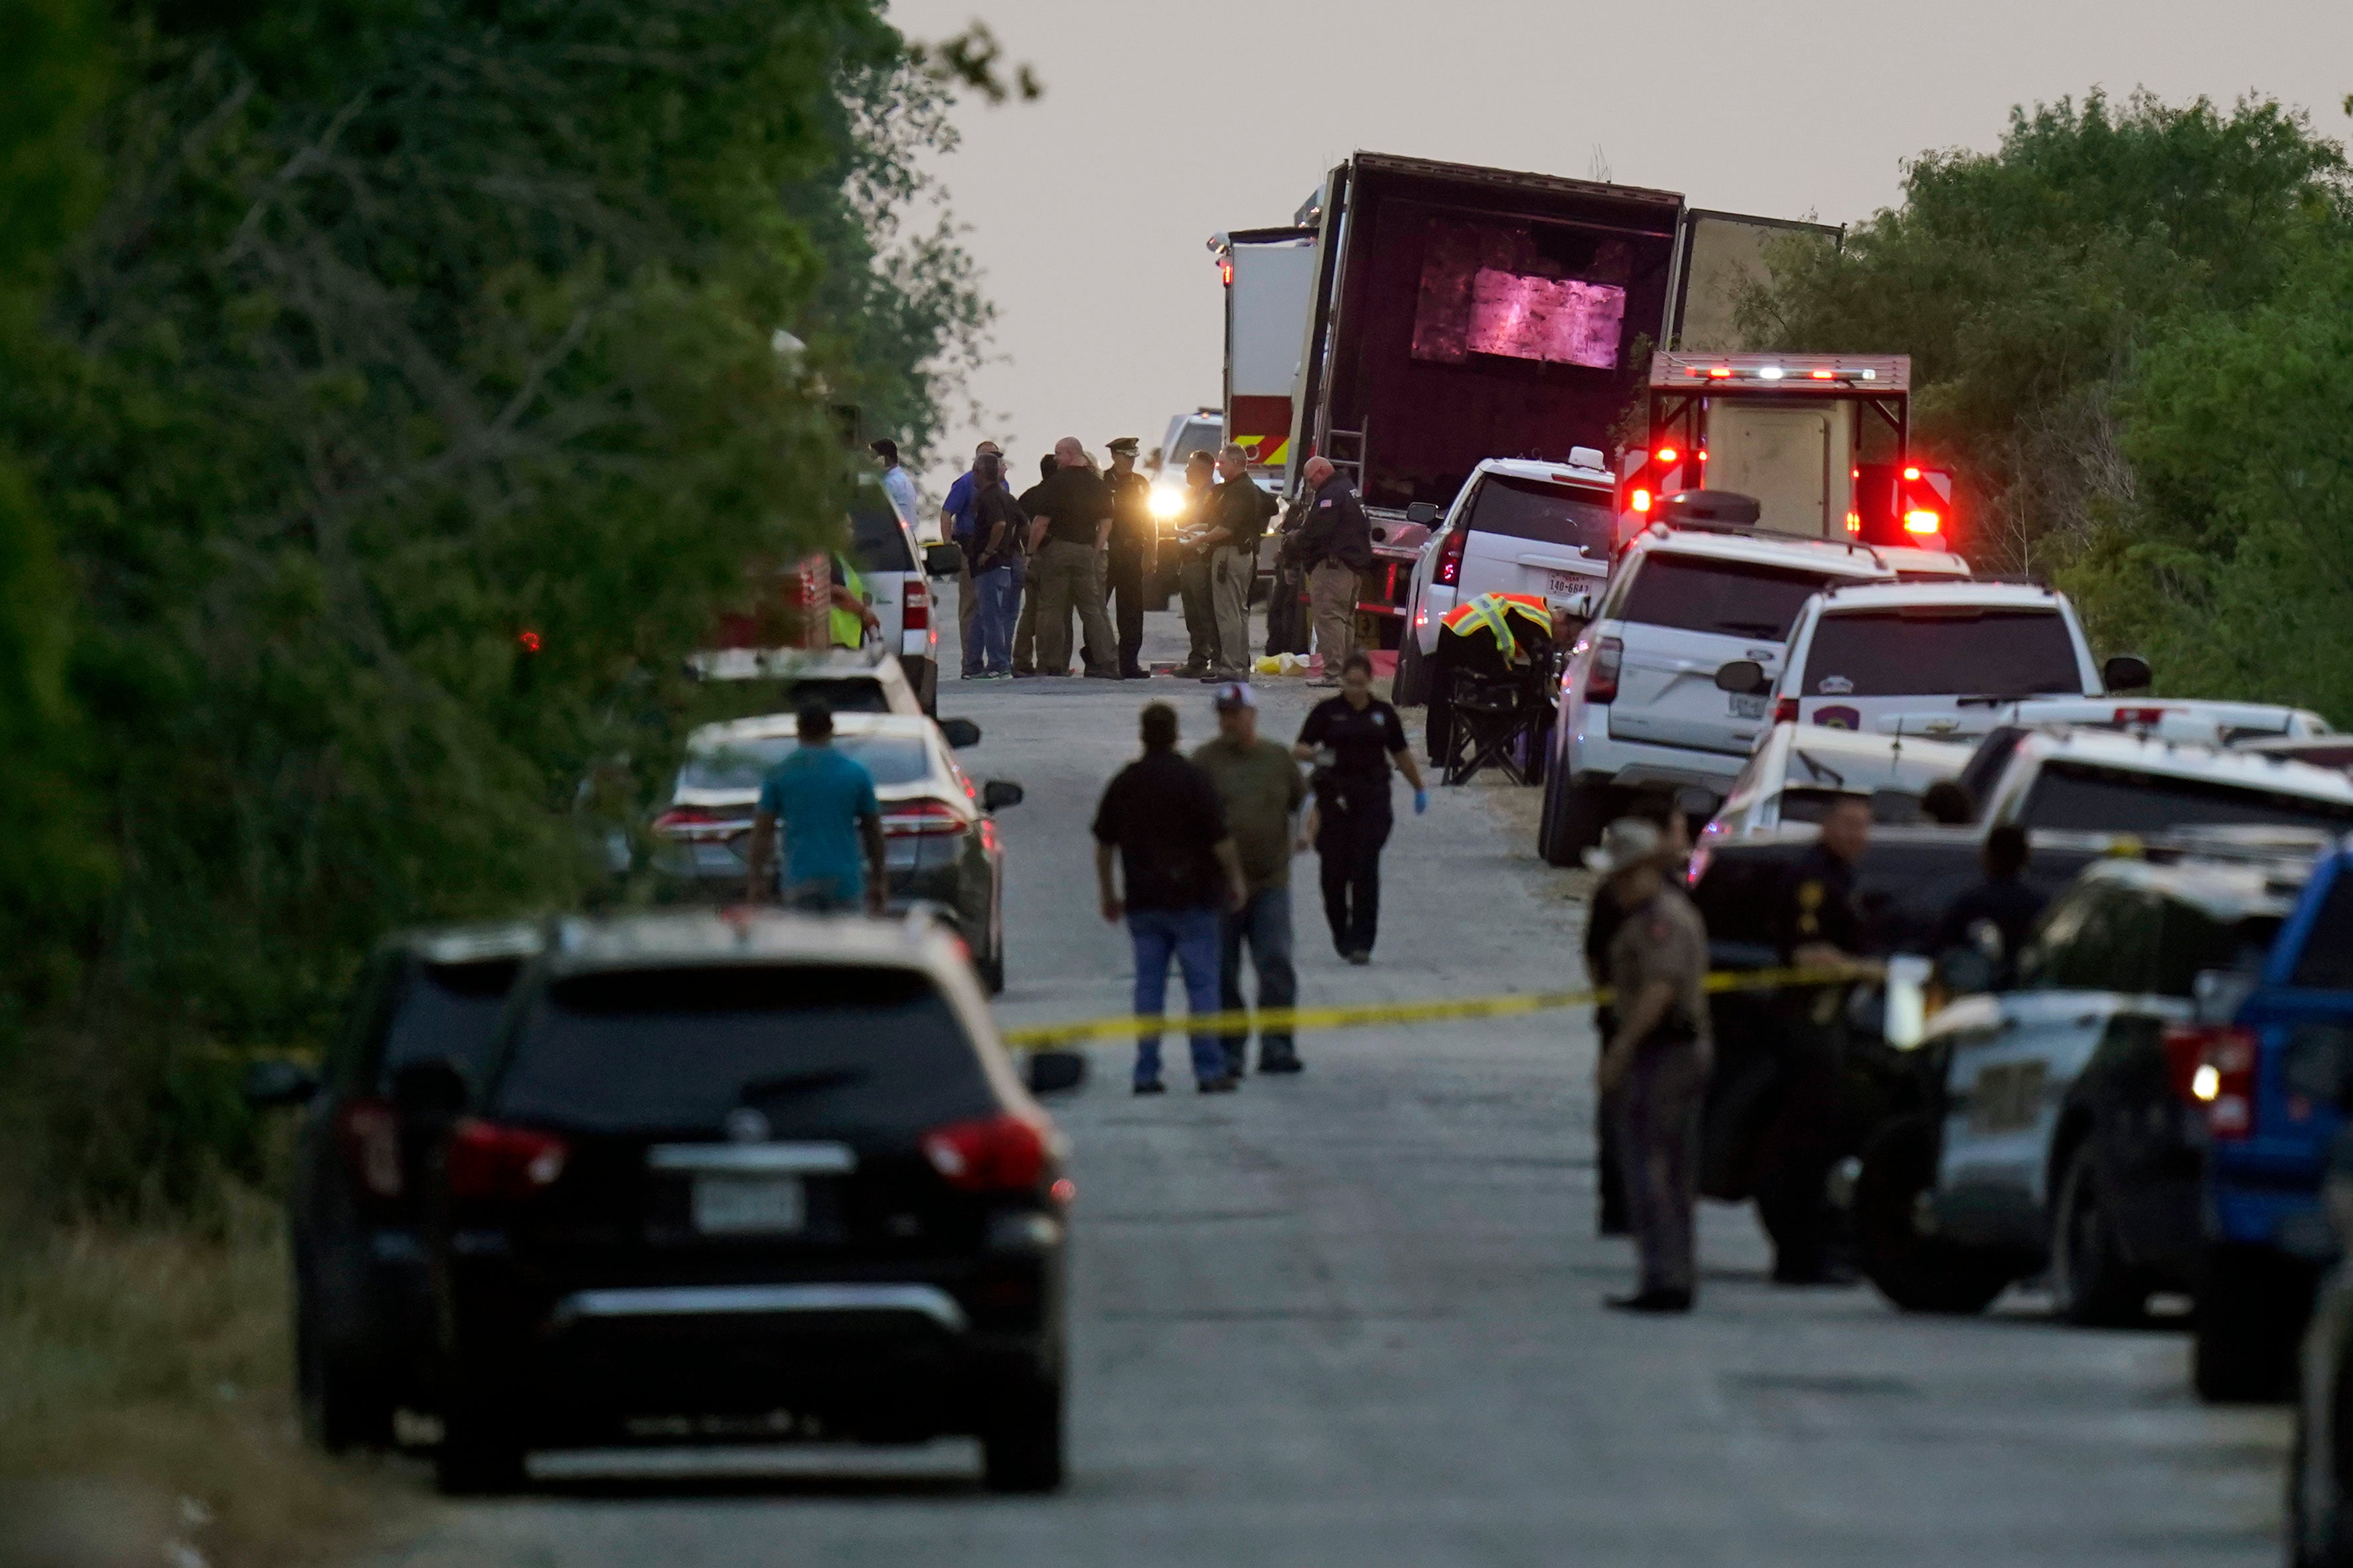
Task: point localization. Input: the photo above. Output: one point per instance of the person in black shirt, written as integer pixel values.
(1069, 530)
(1163, 817)
(1025, 633)
(1130, 562)
(994, 567)
(2002, 900)
(1352, 739)
(1335, 545)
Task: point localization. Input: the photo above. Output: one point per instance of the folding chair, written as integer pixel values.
(1498, 698)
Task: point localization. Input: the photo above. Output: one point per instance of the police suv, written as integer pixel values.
(1640, 708)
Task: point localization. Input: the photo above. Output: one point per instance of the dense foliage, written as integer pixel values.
(401, 329)
(2126, 326)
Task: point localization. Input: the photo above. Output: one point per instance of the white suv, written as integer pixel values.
(1639, 706)
(1933, 659)
(1516, 527)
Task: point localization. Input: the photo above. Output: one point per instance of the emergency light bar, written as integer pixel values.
(1864, 373)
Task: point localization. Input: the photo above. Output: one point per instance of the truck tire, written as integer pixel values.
(1916, 1272)
(2244, 1329)
(2091, 1286)
(1573, 817)
(1021, 1436)
(1412, 687)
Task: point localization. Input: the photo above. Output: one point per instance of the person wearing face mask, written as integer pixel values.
(1354, 738)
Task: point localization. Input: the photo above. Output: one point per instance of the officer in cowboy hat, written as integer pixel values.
(1130, 562)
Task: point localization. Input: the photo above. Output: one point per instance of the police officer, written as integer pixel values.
(1192, 585)
(1336, 547)
(1816, 926)
(1237, 513)
(1604, 918)
(1130, 562)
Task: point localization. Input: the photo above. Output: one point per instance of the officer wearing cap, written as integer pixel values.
(1257, 781)
(1655, 1064)
(1130, 561)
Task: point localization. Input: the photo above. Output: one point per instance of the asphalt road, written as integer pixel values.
(1354, 1315)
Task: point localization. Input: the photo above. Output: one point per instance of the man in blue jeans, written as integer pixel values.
(1162, 816)
(1258, 785)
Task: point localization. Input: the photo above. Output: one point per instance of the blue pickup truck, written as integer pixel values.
(2271, 1080)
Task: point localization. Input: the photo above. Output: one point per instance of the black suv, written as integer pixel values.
(363, 1318)
(755, 1177)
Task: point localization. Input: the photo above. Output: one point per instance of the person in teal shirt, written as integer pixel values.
(832, 822)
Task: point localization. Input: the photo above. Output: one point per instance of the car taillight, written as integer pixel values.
(912, 818)
(699, 822)
(990, 1154)
(2214, 1069)
(1449, 569)
(369, 1131)
(915, 609)
(487, 1160)
(1601, 679)
(1785, 711)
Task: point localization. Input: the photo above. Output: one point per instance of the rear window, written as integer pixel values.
(1551, 514)
(2191, 942)
(1198, 435)
(2067, 794)
(445, 1012)
(821, 1050)
(719, 702)
(877, 541)
(1730, 598)
(741, 764)
(1929, 649)
(2326, 962)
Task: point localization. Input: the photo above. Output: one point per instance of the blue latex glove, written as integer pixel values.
(1420, 802)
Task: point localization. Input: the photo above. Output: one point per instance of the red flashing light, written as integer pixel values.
(1702, 454)
(1668, 454)
(528, 641)
(1226, 273)
(1854, 522)
(989, 1154)
(2139, 716)
(1641, 501)
(1911, 472)
(1819, 374)
(1720, 373)
(1920, 520)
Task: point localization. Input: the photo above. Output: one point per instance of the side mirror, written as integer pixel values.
(273, 1084)
(959, 732)
(1422, 512)
(1055, 1072)
(943, 560)
(1742, 678)
(998, 794)
(2126, 672)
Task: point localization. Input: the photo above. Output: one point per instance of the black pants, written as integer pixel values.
(1123, 586)
(1354, 823)
(1799, 1150)
(1287, 627)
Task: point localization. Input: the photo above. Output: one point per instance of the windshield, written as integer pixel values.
(741, 765)
(878, 541)
(1730, 598)
(2077, 796)
(1940, 650)
(1196, 435)
(822, 1050)
(1553, 515)
(447, 1011)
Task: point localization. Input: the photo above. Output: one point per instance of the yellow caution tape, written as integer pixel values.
(1436, 1009)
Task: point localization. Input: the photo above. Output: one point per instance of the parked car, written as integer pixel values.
(2065, 1136)
(898, 571)
(363, 1305)
(1797, 770)
(2098, 782)
(2207, 720)
(2267, 1063)
(749, 1178)
(744, 682)
(1640, 707)
(1928, 657)
(940, 843)
(1516, 527)
(2320, 1461)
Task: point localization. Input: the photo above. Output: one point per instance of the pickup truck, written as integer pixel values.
(2268, 1072)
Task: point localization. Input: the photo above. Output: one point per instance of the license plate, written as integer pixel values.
(1564, 584)
(1747, 706)
(741, 1205)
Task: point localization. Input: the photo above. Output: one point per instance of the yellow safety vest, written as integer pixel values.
(1493, 613)
(848, 627)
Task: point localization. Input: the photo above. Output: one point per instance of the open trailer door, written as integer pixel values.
(1720, 256)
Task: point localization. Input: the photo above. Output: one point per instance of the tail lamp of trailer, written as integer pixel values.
(1601, 679)
(1640, 500)
(2213, 1068)
(921, 820)
(487, 1159)
(1447, 570)
(1921, 520)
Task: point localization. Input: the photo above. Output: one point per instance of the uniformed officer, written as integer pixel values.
(1193, 586)
(1337, 546)
(1816, 926)
(1129, 564)
(1655, 1067)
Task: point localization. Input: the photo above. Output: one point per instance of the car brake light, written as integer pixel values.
(911, 818)
(369, 1131)
(915, 609)
(1601, 679)
(1449, 567)
(989, 1154)
(1785, 711)
(2214, 1069)
(487, 1160)
(699, 821)
(2139, 716)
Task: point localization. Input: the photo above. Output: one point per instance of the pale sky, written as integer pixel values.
(1164, 123)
